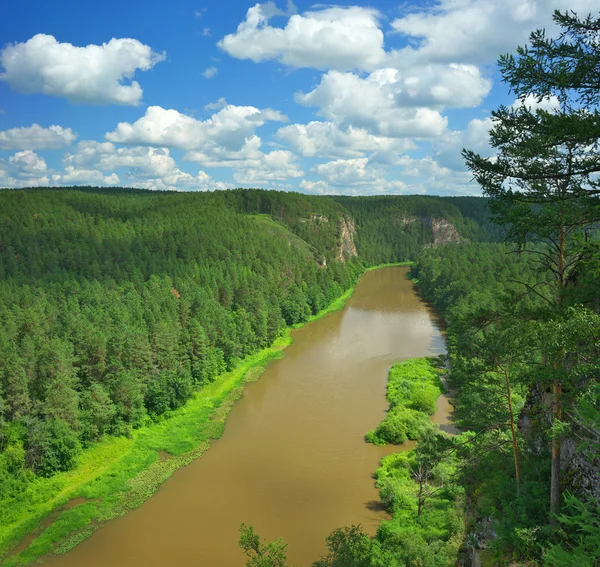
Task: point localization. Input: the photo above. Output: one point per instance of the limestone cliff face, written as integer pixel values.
(442, 230)
(347, 232)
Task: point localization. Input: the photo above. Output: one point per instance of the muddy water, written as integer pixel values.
(292, 460)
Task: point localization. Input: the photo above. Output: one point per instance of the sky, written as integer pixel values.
(345, 98)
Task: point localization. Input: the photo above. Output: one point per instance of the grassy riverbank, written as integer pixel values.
(413, 388)
(117, 474)
(418, 486)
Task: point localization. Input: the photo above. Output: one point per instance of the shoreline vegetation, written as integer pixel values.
(413, 388)
(417, 485)
(117, 474)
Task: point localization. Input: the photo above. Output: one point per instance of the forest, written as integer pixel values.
(120, 306)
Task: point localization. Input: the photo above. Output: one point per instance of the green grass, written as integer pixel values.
(390, 265)
(413, 388)
(434, 538)
(271, 226)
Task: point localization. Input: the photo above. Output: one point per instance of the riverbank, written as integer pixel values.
(118, 474)
(416, 484)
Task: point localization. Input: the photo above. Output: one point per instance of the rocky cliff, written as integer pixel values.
(442, 230)
(347, 248)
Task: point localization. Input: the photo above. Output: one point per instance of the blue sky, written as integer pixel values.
(342, 98)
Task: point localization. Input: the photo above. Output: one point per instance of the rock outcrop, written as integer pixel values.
(347, 248)
(442, 230)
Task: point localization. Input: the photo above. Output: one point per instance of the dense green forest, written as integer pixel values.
(391, 228)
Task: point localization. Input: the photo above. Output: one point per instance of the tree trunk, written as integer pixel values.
(513, 430)
(555, 495)
(420, 497)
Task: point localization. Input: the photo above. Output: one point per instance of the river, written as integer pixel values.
(292, 460)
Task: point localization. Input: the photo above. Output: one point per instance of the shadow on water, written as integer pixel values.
(375, 506)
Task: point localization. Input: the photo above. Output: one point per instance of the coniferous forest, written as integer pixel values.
(119, 306)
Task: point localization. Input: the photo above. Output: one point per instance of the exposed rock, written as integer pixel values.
(314, 218)
(442, 230)
(347, 234)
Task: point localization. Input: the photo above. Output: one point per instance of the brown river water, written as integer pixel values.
(292, 461)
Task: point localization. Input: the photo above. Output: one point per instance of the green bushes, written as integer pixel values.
(400, 424)
(51, 447)
(413, 388)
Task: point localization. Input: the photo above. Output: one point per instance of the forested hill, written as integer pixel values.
(116, 304)
(398, 227)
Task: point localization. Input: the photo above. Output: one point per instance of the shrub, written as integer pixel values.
(51, 447)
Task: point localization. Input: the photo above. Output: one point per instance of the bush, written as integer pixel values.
(402, 424)
(51, 447)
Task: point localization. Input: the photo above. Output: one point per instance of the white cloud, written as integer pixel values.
(28, 162)
(477, 31)
(355, 177)
(549, 104)
(218, 156)
(326, 139)
(24, 169)
(35, 137)
(230, 127)
(350, 172)
(315, 187)
(435, 179)
(95, 74)
(73, 176)
(210, 72)
(145, 167)
(371, 104)
(329, 38)
(278, 165)
(475, 137)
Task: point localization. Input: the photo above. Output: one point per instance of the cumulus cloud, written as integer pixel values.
(315, 187)
(277, 165)
(433, 178)
(350, 172)
(218, 156)
(354, 177)
(447, 149)
(549, 104)
(326, 139)
(73, 176)
(329, 38)
(35, 137)
(230, 127)
(371, 104)
(145, 167)
(94, 74)
(24, 169)
(477, 31)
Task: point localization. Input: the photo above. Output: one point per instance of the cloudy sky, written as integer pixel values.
(320, 98)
